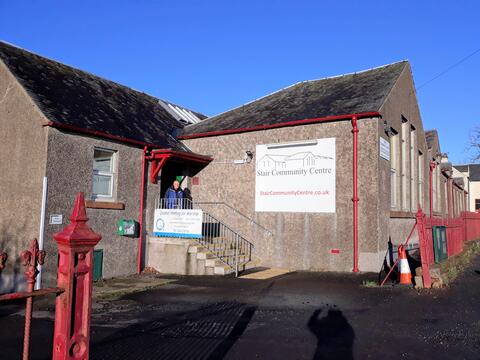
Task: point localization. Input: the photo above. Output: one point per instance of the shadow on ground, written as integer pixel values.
(335, 336)
(206, 333)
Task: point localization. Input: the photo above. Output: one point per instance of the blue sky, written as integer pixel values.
(215, 55)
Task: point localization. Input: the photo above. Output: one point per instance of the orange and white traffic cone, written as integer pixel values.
(405, 274)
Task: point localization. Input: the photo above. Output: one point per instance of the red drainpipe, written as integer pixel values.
(140, 218)
(432, 166)
(355, 193)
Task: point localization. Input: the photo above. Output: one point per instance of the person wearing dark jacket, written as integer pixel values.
(174, 196)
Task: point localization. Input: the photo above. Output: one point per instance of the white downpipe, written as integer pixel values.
(38, 284)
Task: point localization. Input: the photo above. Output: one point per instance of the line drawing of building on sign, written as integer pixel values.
(300, 159)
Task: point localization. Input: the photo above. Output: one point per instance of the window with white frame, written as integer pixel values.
(103, 174)
(404, 175)
(413, 180)
(394, 183)
(421, 166)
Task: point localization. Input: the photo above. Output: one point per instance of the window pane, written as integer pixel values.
(102, 160)
(102, 184)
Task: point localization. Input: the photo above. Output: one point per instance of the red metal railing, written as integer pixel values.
(472, 225)
(74, 286)
(459, 230)
(455, 236)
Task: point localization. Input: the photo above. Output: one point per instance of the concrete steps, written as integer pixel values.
(203, 262)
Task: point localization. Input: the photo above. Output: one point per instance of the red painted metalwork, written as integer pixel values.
(472, 225)
(160, 156)
(30, 259)
(181, 155)
(157, 165)
(455, 236)
(355, 193)
(426, 249)
(75, 271)
(285, 124)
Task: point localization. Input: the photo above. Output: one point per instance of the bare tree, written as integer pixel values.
(474, 144)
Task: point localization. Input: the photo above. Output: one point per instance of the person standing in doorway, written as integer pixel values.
(174, 196)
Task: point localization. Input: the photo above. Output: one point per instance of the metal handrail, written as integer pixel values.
(217, 237)
(236, 211)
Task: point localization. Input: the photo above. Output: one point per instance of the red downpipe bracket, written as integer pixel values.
(355, 193)
(142, 205)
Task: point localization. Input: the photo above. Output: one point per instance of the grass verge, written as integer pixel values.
(454, 266)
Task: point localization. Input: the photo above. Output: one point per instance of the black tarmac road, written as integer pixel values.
(296, 316)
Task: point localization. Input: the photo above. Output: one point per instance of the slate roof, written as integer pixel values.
(461, 168)
(341, 95)
(473, 171)
(79, 99)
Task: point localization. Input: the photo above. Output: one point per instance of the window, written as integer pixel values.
(103, 174)
(434, 188)
(405, 182)
(394, 183)
(421, 180)
(439, 194)
(413, 184)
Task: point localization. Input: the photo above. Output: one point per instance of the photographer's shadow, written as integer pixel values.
(334, 335)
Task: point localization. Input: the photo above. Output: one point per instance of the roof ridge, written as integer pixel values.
(302, 82)
(354, 72)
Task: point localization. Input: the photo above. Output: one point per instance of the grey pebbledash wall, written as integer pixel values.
(69, 169)
(22, 167)
(299, 241)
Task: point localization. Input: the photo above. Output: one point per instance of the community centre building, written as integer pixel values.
(321, 148)
(64, 131)
(319, 176)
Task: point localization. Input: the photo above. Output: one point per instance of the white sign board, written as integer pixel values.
(296, 177)
(384, 149)
(56, 219)
(185, 223)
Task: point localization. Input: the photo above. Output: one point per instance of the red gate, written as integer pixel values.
(74, 286)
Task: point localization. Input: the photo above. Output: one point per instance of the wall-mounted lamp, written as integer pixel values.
(247, 159)
(388, 129)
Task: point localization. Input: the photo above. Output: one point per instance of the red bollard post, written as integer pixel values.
(75, 272)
